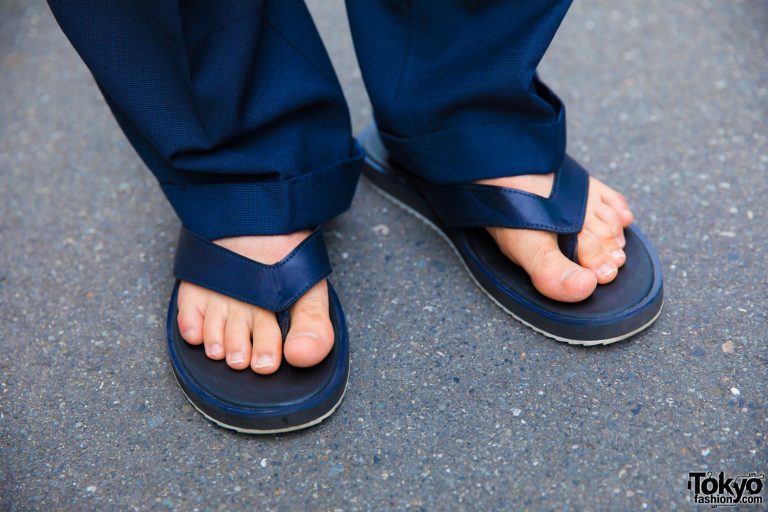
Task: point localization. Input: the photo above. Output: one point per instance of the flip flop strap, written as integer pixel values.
(274, 287)
(472, 205)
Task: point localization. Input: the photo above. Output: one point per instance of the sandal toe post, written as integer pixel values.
(460, 213)
(289, 399)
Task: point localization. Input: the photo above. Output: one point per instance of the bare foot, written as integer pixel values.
(600, 242)
(246, 335)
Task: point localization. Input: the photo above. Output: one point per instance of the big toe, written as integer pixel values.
(559, 278)
(553, 275)
(310, 337)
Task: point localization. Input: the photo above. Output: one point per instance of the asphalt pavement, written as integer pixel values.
(452, 404)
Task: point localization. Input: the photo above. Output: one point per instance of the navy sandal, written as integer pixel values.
(289, 399)
(459, 212)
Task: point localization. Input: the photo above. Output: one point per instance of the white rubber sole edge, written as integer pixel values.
(268, 431)
(437, 230)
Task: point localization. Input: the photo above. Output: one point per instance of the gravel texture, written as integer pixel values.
(451, 404)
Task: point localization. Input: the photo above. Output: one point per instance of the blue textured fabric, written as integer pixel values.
(232, 104)
(454, 88)
(235, 108)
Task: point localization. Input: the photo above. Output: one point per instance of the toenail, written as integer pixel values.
(605, 270)
(617, 254)
(189, 333)
(621, 241)
(569, 274)
(236, 357)
(304, 335)
(213, 350)
(263, 361)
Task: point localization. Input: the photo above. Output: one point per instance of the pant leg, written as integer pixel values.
(232, 104)
(454, 88)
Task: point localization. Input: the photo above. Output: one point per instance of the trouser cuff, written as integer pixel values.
(220, 210)
(468, 153)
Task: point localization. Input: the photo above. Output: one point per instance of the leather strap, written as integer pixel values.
(472, 205)
(274, 287)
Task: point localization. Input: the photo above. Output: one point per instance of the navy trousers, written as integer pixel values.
(235, 107)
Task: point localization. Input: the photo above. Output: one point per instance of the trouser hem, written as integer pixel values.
(219, 210)
(468, 153)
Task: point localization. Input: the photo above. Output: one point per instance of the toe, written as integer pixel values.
(213, 328)
(618, 257)
(610, 218)
(593, 256)
(267, 342)
(604, 223)
(310, 337)
(619, 204)
(237, 336)
(607, 237)
(551, 272)
(627, 217)
(191, 306)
